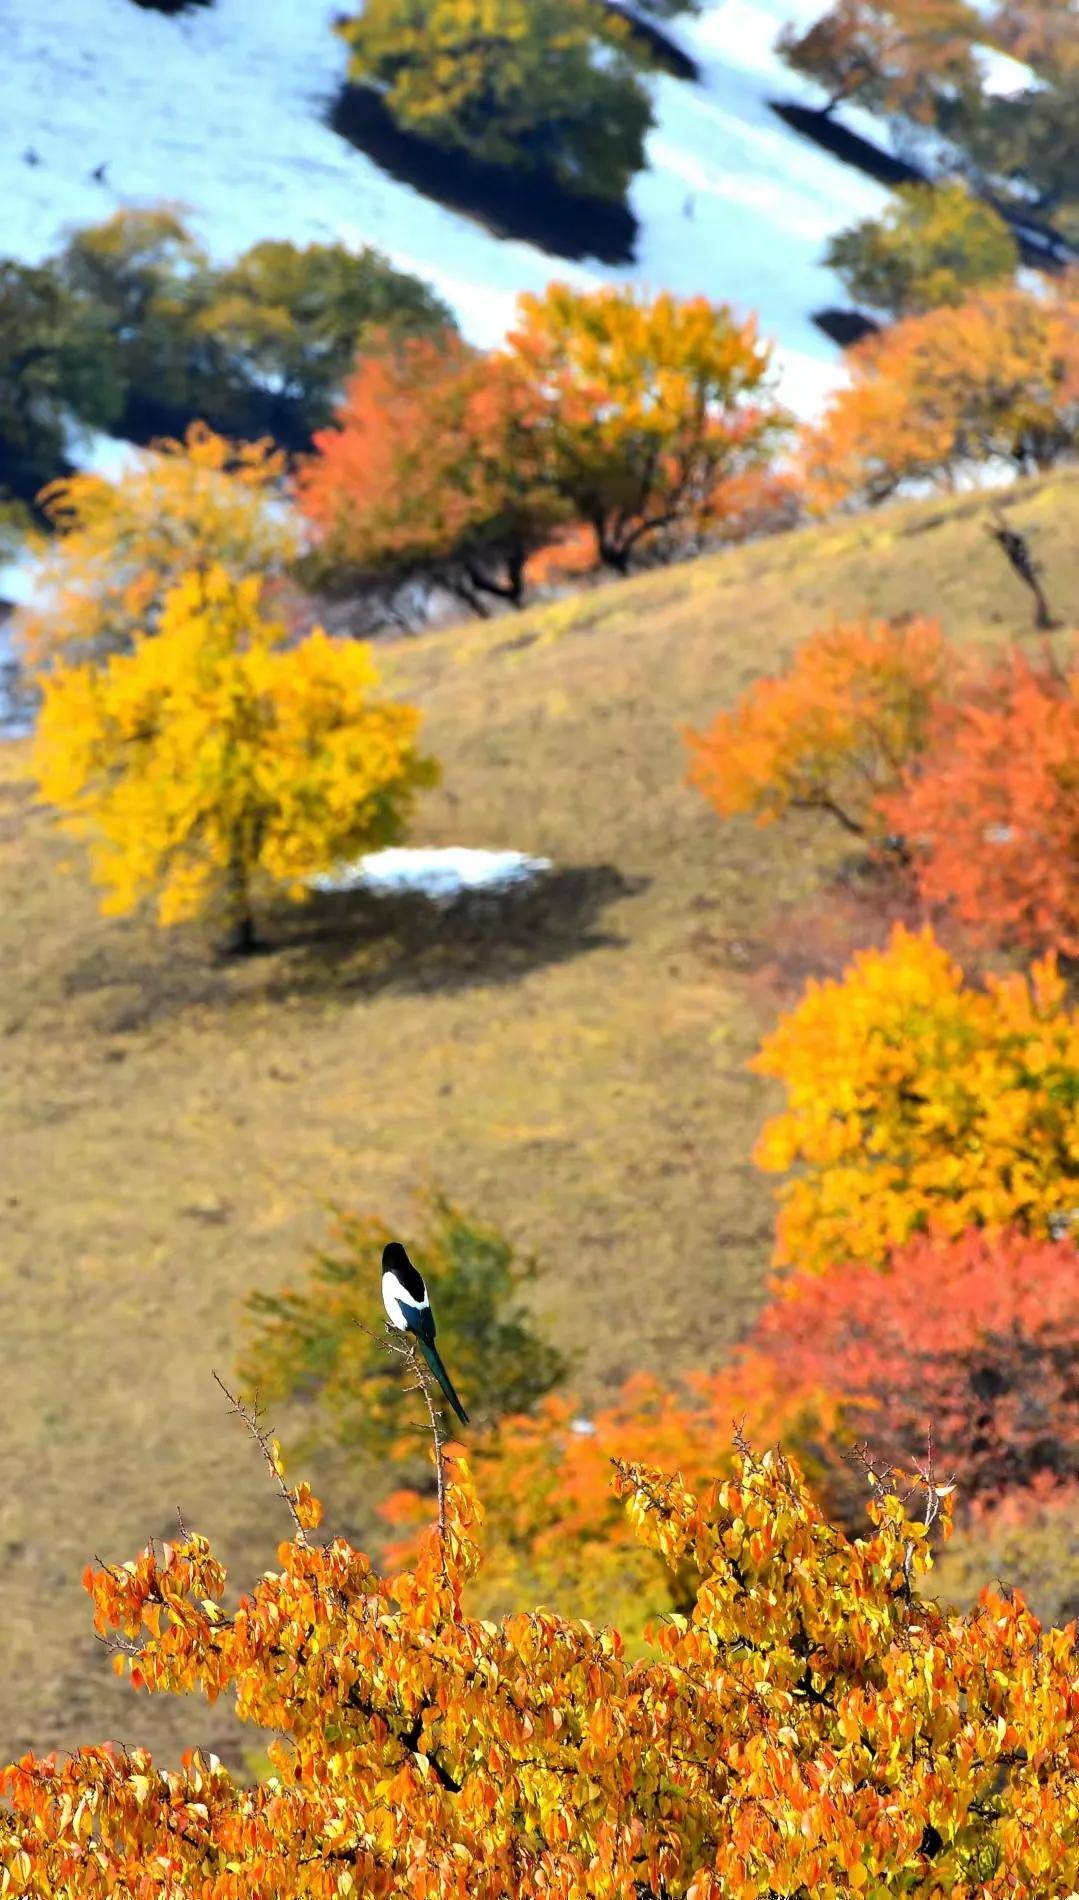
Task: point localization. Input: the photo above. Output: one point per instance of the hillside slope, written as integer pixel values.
(570, 1063)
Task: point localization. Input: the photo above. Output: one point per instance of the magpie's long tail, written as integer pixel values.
(430, 1353)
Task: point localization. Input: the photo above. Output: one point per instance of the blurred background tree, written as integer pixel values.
(313, 1342)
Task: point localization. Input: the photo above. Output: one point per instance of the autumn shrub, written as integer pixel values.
(995, 379)
(832, 732)
(654, 406)
(1028, 1542)
(120, 546)
(812, 1726)
(217, 760)
(437, 467)
(916, 1102)
(313, 1342)
(933, 246)
(547, 86)
(990, 811)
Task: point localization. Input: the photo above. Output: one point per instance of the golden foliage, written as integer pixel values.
(995, 377)
(215, 758)
(119, 546)
(915, 1102)
(655, 404)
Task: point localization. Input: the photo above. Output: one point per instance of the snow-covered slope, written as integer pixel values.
(222, 110)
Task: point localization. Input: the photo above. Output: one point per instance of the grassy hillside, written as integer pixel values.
(569, 1063)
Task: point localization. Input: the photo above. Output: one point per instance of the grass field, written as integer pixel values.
(569, 1063)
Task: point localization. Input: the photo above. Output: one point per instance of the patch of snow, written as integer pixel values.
(1004, 77)
(440, 873)
(221, 111)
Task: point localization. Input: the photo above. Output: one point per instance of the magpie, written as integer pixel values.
(404, 1296)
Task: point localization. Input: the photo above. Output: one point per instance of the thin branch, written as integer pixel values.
(250, 1418)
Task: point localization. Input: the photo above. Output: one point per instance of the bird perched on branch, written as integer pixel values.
(404, 1296)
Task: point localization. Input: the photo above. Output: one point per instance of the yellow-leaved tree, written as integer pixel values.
(216, 758)
(120, 545)
(917, 1103)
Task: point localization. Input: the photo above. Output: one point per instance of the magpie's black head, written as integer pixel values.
(394, 1257)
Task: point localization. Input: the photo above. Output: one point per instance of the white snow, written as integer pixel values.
(221, 111)
(440, 873)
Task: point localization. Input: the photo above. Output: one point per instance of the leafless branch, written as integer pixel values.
(250, 1418)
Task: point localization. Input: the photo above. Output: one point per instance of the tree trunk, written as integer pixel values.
(244, 939)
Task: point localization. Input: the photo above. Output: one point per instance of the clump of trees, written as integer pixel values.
(636, 416)
(934, 246)
(130, 327)
(217, 759)
(547, 86)
(960, 774)
(919, 61)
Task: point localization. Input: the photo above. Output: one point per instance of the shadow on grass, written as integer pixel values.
(367, 941)
(356, 943)
(510, 203)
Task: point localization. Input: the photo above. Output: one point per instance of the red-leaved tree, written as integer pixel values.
(990, 812)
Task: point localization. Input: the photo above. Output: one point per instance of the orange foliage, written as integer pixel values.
(997, 377)
(990, 813)
(436, 465)
(811, 1727)
(831, 733)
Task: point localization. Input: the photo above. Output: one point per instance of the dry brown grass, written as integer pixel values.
(570, 1064)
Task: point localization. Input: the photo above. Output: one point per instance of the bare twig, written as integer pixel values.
(250, 1418)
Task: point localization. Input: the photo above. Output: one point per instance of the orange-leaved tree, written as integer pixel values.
(811, 1726)
(654, 403)
(217, 759)
(941, 394)
(912, 57)
(916, 1102)
(832, 732)
(437, 466)
(120, 545)
(990, 812)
